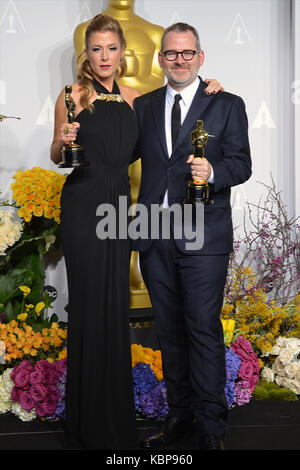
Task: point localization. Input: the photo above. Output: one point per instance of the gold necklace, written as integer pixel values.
(110, 97)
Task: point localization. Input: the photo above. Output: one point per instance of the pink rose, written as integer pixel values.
(46, 376)
(43, 365)
(38, 392)
(40, 410)
(55, 377)
(35, 377)
(252, 382)
(15, 394)
(47, 407)
(25, 400)
(26, 364)
(246, 370)
(60, 366)
(21, 378)
(54, 392)
(50, 405)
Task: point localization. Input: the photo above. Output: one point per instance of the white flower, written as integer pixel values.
(10, 231)
(4, 407)
(5, 398)
(294, 345)
(294, 385)
(7, 381)
(281, 342)
(267, 374)
(4, 394)
(291, 369)
(275, 350)
(18, 411)
(286, 356)
(297, 374)
(278, 367)
(279, 379)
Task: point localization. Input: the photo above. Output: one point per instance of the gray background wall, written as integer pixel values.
(251, 46)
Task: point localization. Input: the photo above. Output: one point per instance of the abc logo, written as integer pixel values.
(51, 291)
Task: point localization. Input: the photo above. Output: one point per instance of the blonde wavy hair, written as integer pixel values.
(100, 23)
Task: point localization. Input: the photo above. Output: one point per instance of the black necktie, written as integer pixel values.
(175, 119)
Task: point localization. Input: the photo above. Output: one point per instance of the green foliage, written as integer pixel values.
(272, 391)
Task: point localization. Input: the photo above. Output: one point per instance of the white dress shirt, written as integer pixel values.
(187, 95)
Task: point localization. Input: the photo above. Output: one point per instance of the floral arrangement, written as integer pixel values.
(19, 341)
(242, 376)
(31, 391)
(32, 343)
(10, 231)
(37, 192)
(148, 385)
(262, 288)
(36, 196)
(260, 320)
(149, 394)
(284, 364)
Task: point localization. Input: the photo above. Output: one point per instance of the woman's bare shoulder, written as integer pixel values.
(130, 91)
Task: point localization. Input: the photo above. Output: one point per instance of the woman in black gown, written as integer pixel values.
(99, 402)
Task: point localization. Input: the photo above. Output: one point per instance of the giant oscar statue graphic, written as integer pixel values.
(144, 73)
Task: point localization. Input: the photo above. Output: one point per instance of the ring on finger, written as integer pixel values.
(66, 130)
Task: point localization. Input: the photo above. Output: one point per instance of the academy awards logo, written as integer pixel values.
(239, 198)
(238, 33)
(11, 21)
(263, 118)
(175, 18)
(46, 115)
(84, 14)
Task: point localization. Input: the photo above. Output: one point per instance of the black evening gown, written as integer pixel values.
(99, 395)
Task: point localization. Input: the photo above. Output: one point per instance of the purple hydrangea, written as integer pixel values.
(149, 394)
(233, 363)
(242, 393)
(154, 403)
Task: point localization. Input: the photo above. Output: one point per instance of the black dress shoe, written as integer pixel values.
(209, 442)
(172, 427)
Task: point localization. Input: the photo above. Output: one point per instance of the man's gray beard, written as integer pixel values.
(186, 82)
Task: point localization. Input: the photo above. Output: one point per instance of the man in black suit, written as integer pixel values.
(186, 286)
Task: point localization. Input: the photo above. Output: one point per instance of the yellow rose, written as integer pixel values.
(49, 213)
(38, 211)
(26, 349)
(62, 354)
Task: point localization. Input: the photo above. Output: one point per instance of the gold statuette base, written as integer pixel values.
(198, 192)
(72, 156)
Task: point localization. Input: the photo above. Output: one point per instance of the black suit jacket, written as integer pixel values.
(224, 117)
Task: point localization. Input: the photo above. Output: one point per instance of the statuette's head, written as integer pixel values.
(121, 4)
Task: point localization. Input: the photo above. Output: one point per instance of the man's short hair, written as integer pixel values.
(181, 28)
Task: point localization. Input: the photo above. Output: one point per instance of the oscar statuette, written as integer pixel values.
(72, 153)
(198, 190)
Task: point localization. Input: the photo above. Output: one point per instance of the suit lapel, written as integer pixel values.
(158, 109)
(197, 108)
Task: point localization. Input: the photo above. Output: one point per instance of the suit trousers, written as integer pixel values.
(186, 292)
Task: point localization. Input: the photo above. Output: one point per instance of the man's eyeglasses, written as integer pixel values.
(186, 55)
